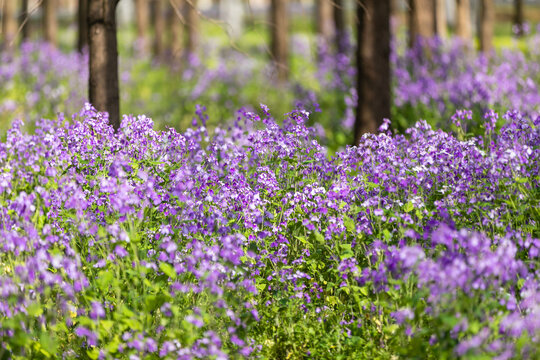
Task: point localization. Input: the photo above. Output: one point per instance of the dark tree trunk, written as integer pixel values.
(339, 25)
(463, 19)
(50, 24)
(192, 27)
(373, 66)
(103, 64)
(279, 22)
(421, 20)
(141, 19)
(486, 23)
(25, 21)
(324, 20)
(440, 18)
(159, 29)
(82, 39)
(518, 16)
(175, 43)
(9, 23)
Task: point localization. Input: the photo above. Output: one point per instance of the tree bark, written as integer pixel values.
(421, 20)
(440, 18)
(175, 43)
(159, 29)
(279, 23)
(486, 23)
(103, 61)
(463, 19)
(324, 20)
(25, 21)
(373, 66)
(518, 16)
(142, 20)
(82, 38)
(339, 26)
(50, 24)
(9, 23)
(192, 26)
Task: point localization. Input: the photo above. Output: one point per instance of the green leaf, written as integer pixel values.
(346, 251)
(168, 269)
(349, 224)
(408, 207)
(93, 353)
(34, 309)
(319, 237)
(48, 343)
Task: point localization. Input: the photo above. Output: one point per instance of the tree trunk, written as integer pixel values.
(440, 18)
(176, 27)
(159, 29)
(141, 20)
(421, 20)
(518, 17)
(103, 62)
(9, 23)
(373, 66)
(339, 26)
(279, 23)
(486, 23)
(25, 21)
(82, 39)
(324, 20)
(50, 24)
(463, 19)
(192, 27)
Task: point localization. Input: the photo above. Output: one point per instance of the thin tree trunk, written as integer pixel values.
(25, 21)
(373, 65)
(159, 29)
(324, 20)
(279, 23)
(50, 24)
(421, 20)
(440, 18)
(486, 24)
(192, 26)
(82, 39)
(103, 61)
(518, 16)
(463, 19)
(9, 23)
(176, 31)
(339, 26)
(141, 19)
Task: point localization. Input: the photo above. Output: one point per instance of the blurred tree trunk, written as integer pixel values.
(50, 23)
(174, 24)
(159, 28)
(421, 20)
(373, 66)
(25, 21)
(82, 39)
(440, 18)
(339, 26)
(279, 23)
(324, 20)
(463, 19)
(486, 23)
(103, 61)
(141, 20)
(9, 23)
(518, 16)
(192, 26)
